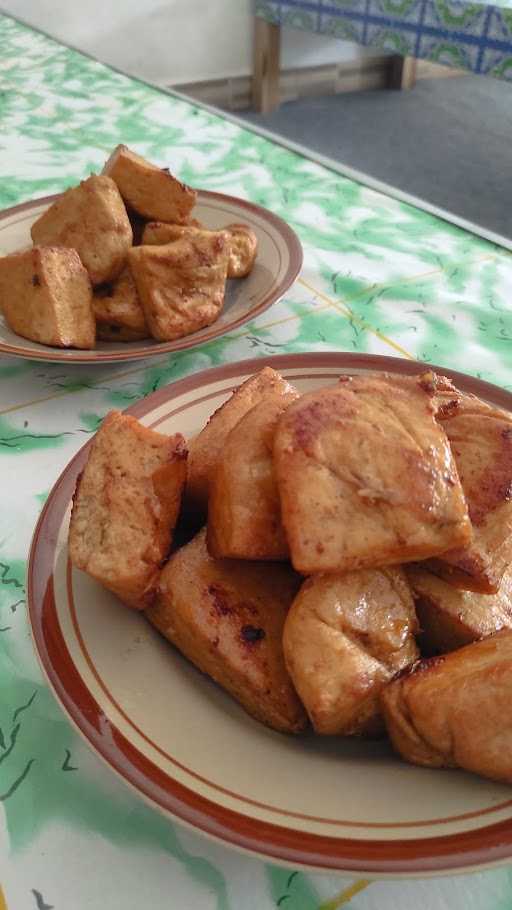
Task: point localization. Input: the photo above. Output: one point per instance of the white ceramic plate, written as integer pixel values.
(278, 263)
(192, 751)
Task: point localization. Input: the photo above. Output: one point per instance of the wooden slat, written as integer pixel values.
(402, 72)
(267, 46)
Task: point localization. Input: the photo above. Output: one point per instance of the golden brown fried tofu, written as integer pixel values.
(481, 441)
(181, 285)
(90, 218)
(46, 296)
(450, 618)
(243, 243)
(227, 617)
(118, 311)
(206, 448)
(244, 512)
(125, 507)
(151, 191)
(345, 636)
(456, 710)
(366, 477)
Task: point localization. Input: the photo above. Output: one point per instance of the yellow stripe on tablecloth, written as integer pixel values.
(345, 310)
(346, 895)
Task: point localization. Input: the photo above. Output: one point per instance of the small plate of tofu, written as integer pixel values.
(132, 263)
(276, 599)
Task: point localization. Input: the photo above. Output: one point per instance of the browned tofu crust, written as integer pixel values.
(481, 441)
(450, 618)
(90, 218)
(227, 617)
(150, 191)
(244, 511)
(125, 507)
(242, 241)
(345, 636)
(181, 285)
(206, 448)
(455, 710)
(117, 306)
(46, 296)
(366, 477)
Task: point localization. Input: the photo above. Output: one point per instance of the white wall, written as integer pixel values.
(171, 41)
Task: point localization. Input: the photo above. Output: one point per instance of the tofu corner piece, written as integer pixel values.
(242, 242)
(205, 449)
(125, 507)
(244, 511)
(227, 616)
(90, 218)
(366, 477)
(481, 439)
(450, 618)
(344, 638)
(181, 285)
(46, 296)
(150, 191)
(118, 311)
(455, 711)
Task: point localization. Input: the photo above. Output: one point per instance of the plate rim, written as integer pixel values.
(62, 355)
(412, 857)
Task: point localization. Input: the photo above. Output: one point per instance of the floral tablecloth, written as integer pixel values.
(379, 276)
(470, 34)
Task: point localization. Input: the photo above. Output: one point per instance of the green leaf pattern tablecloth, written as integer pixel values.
(378, 277)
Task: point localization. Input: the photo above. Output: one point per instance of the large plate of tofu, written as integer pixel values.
(132, 263)
(276, 599)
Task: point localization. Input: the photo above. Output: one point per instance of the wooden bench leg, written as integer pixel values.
(265, 83)
(402, 72)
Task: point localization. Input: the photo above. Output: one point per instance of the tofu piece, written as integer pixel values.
(118, 311)
(206, 448)
(227, 616)
(243, 243)
(455, 711)
(46, 296)
(480, 437)
(181, 285)
(345, 636)
(125, 507)
(244, 511)
(450, 618)
(243, 250)
(91, 219)
(151, 191)
(366, 477)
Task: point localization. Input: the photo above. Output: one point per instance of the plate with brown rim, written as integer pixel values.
(187, 748)
(277, 265)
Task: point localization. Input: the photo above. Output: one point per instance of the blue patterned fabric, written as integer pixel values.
(473, 36)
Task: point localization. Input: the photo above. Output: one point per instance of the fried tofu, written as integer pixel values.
(206, 448)
(480, 437)
(227, 617)
(244, 512)
(345, 636)
(125, 507)
(455, 711)
(46, 296)
(151, 191)
(118, 311)
(90, 218)
(450, 618)
(366, 477)
(243, 243)
(181, 285)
